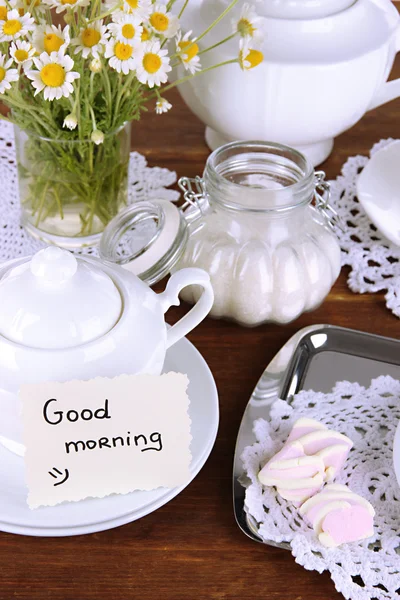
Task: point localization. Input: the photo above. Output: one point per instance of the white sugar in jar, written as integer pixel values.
(256, 222)
(270, 254)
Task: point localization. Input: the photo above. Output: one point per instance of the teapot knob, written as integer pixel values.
(53, 266)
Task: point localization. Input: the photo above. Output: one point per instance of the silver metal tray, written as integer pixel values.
(315, 358)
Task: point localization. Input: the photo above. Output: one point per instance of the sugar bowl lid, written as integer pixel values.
(57, 301)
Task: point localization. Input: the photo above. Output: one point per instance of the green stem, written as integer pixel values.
(224, 41)
(188, 77)
(217, 20)
(183, 8)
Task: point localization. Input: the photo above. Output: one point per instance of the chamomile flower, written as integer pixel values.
(54, 75)
(162, 21)
(70, 122)
(24, 6)
(3, 10)
(188, 52)
(126, 28)
(97, 137)
(249, 57)
(249, 24)
(121, 55)
(91, 39)
(162, 106)
(22, 52)
(61, 5)
(139, 8)
(152, 64)
(7, 75)
(95, 65)
(49, 38)
(15, 25)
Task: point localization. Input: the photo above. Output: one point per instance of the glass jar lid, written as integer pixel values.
(148, 238)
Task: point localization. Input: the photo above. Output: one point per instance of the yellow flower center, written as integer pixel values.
(2, 74)
(52, 42)
(145, 34)
(133, 3)
(3, 13)
(52, 75)
(123, 51)
(254, 57)
(191, 52)
(69, 2)
(151, 62)
(245, 28)
(12, 27)
(21, 55)
(90, 37)
(159, 21)
(128, 31)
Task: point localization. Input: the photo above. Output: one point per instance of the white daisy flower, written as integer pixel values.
(91, 39)
(121, 55)
(188, 52)
(15, 26)
(49, 38)
(23, 6)
(54, 75)
(3, 10)
(70, 122)
(126, 28)
(249, 24)
(22, 52)
(7, 75)
(163, 22)
(249, 57)
(152, 64)
(61, 5)
(140, 8)
(162, 106)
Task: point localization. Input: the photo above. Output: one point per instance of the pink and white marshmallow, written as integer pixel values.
(339, 516)
(312, 455)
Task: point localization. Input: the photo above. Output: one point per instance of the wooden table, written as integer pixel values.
(191, 548)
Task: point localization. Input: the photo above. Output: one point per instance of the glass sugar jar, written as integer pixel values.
(258, 222)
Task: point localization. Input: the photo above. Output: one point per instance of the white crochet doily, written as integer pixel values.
(15, 242)
(361, 571)
(374, 260)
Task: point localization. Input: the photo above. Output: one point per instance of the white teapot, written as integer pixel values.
(64, 317)
(326, 63)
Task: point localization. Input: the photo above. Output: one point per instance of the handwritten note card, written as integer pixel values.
(104, 436)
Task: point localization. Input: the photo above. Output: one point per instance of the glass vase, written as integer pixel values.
(70, 189)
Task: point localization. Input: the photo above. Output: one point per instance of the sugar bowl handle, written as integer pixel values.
(170, 297)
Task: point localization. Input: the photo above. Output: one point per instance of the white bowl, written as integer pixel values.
(378, 190)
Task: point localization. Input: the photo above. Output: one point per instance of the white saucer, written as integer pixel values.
(378, 190)
(88, 516)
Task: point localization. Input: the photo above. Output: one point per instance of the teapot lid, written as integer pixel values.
(57, 301)
(303, 9)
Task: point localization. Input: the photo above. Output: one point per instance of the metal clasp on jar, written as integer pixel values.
(322, 197)
(196, 199)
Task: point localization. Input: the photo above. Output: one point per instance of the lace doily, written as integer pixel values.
(374, 260)
(15, 242)
(369, 570)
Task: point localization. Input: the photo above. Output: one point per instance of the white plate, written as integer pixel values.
(378, 190)
(93, 515)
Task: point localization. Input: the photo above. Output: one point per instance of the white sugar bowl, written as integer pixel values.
(64, 317)
(326, 63)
